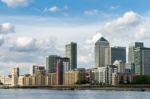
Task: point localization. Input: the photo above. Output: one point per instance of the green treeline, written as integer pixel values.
(82, 82)
(141, 80)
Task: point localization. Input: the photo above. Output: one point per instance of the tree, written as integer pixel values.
(141, 79)
(82, 82)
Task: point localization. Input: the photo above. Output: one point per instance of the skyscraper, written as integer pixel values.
(131, 51)
(51, 62)
(71, 53)
(118, 53)
(102, 55)
(140, 56)
(142, 61)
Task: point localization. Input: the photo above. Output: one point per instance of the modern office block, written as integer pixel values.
(118, 53)
(142, 61)
(51, 62)
(131, 50)
(102, 55)
(71, 53)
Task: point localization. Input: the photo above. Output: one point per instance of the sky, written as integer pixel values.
(30, 30)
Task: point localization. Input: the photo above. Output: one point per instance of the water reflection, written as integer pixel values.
(67, 94)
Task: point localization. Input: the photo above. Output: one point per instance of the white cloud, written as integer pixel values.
(123, 29)
(52, 9)
(128, 19)
(6, 28)
(26, 50)
(24, 44)
(16, 3)
(92, 12)
(143, 32)
(24, 41)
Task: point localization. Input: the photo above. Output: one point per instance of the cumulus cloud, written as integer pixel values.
(131, 26)
(35, 47)
(16, 3)
(128, 19)
(24, 44)
(6, 28)
(26, 51)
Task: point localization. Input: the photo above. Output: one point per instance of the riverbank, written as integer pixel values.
(86, 87)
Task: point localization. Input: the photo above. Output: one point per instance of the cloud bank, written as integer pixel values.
(6, 28)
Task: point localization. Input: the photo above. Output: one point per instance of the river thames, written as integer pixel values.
(71, 94)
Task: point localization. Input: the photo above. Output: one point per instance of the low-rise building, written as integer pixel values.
(5, 80)
(115, 80)
(73, 76)
(103, 75)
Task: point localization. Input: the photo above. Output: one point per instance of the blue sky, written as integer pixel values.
(32, 29)
(75, 7)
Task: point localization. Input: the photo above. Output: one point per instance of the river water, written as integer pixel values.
(69, 94)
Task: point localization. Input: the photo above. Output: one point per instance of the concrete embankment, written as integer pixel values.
(86, 87)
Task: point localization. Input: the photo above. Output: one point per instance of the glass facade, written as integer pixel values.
(71, 53)
(51, 62)
(118, 53)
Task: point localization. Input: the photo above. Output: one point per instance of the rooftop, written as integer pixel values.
(102, 39)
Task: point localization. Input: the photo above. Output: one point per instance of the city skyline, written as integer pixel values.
(29, 31)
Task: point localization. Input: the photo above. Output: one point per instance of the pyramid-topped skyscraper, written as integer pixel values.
(102, 55)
